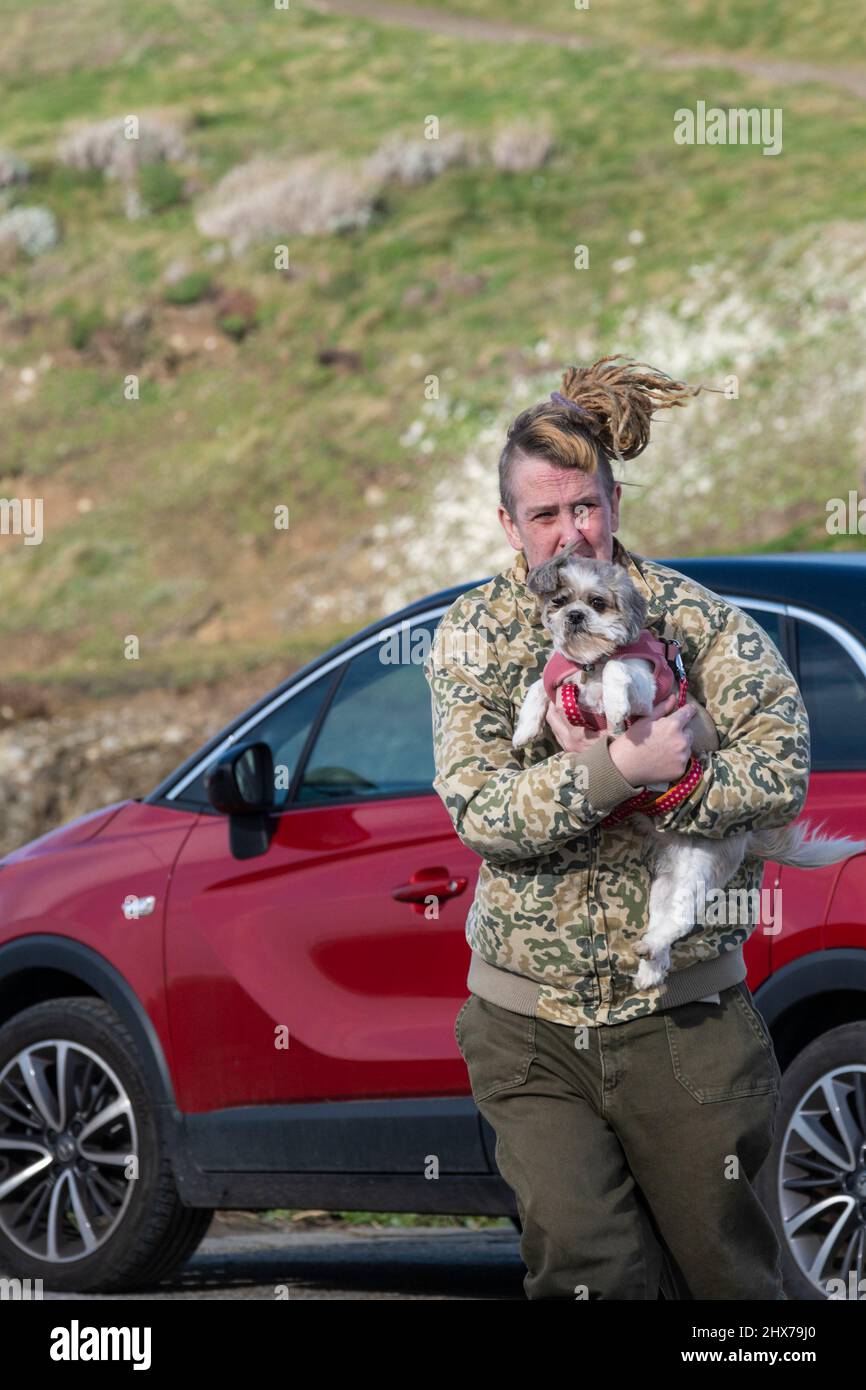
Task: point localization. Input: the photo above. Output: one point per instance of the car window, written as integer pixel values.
(285, 731)
(377, 736)
(834, 692)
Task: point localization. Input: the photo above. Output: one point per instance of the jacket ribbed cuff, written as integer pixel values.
(605, 785)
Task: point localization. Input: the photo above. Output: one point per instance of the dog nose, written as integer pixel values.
(576, 619)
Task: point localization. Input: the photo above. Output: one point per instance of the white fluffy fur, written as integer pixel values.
(591, 608)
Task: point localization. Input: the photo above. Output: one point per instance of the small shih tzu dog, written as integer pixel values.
(618, 670)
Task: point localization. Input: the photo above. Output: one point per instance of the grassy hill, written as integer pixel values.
(304, 387)
(811, 31)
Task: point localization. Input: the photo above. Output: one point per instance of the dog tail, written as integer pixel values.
(793, 844)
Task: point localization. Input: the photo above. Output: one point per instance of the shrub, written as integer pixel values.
(30, 229)
(417, 161)
(234, 326)
(12, 169)
(82, 324)
(160, 186)
(236, 313)
(264, 198)
(189, 289)
(520, 146)
(103, 145)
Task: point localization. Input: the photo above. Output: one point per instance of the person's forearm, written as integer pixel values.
(511, 814)
(746, 787)
(626, 758)
(758, 780)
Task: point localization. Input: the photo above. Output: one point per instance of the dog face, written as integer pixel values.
(590, 607)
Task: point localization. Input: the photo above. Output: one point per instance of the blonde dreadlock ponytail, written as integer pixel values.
(615, 404)
(603, 412)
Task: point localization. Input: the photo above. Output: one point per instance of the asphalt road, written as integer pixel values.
(240, 1258)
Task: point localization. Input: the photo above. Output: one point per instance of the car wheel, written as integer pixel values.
(813, 1183)
(88, 1201)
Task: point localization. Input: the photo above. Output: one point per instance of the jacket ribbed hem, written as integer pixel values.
(520, 995)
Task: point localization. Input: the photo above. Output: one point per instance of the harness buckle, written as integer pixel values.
(677, 659)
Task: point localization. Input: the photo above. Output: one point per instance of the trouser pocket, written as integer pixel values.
(457, 1023)
(722, 1051)
(498, 1046)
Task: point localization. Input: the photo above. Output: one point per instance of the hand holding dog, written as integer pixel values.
(655, 748)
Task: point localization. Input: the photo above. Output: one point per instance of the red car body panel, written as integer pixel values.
(816, 916)
(79, 891)
(309, 938)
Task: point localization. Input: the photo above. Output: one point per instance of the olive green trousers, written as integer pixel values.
(632, 1148)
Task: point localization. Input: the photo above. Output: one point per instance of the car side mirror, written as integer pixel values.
(241, 782)
(241, 785)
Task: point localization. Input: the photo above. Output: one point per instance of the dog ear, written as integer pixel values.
(634, 606)
(544, 579)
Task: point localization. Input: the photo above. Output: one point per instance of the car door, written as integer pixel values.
(332, 966)
(831, 667)
(758, 949)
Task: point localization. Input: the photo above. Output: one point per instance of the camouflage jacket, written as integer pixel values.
(561, 900)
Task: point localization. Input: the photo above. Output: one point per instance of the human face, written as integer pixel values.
(557, 505)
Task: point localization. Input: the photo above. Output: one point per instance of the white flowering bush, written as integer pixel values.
(521, 146)
(12, 169)
(106, 145)
(265, 198)
(410, 162)
(31, 229)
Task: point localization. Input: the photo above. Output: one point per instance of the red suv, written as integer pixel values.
(233, 992)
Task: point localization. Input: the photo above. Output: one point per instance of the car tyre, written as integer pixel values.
(826, 1080)
(99, 1230)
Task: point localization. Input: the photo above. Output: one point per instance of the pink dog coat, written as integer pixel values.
(647, 646)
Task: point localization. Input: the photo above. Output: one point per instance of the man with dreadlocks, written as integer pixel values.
(629, 1123)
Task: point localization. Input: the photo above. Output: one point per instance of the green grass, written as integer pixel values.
(183, 481)
(815, 31)
(189, 289)
(803, 537)
(404, 1220)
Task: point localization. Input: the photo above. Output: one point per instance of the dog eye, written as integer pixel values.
(559, 602)
(597, 603)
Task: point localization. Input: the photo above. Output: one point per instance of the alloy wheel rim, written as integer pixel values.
(68, 1139)
(822, 1180)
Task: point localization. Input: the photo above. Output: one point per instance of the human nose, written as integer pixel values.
(573, 527)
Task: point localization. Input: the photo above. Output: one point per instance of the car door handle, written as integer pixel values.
(430, 883)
